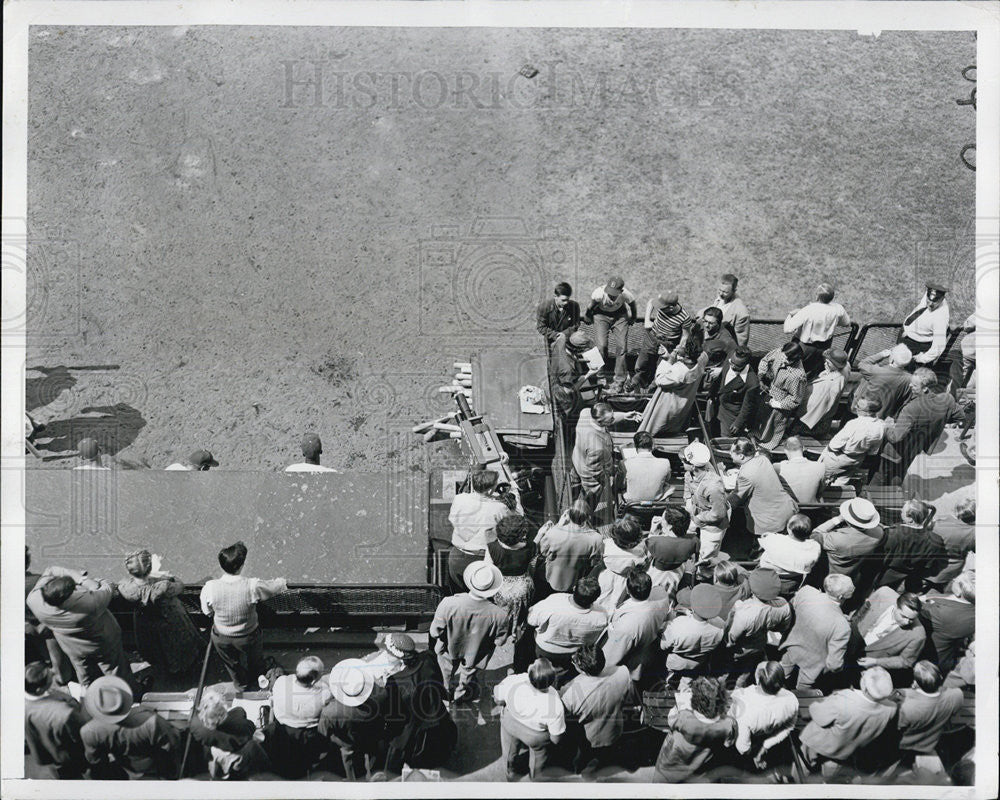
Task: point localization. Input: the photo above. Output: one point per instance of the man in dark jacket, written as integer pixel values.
(890, 382)
(558, 314)
(52, 722)
(354, 719)
(950, 620)
(888, 624)
(735, 392)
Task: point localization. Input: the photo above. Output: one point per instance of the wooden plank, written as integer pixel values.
(498, 375)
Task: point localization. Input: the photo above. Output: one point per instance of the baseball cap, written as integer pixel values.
(615, 285)
(88, 448)
(666, 299)
(202, 458)
(902, 355)
(765, 584)
(936, 285)
(311, 445)
(697, 454)
(706, 602)
(578, 340)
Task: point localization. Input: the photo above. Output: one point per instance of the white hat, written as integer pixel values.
(697, 454)
(483, 579)
(860, 513)
(352, 681)
(901, 355)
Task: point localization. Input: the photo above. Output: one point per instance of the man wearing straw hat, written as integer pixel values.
(353, 719)
(138, 740)
(851, 541)
(468, 627)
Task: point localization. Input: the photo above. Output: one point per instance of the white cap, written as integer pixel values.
(697, 454)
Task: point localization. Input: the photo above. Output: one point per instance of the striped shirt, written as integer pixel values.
(232, 600)
(667, 327)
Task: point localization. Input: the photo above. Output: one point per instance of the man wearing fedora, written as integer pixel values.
(925, 329)
(198, 461)
(52, 723)
(852, 543)
(122, 738)
(468, 627)
(750, 622)
(612, 308)
(817, 643)
(889, 382)
(705, 498)
(312, 449)
(354, 718)
(692, 636)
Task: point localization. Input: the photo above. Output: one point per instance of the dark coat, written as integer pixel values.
(736, 402)
(52, 732)
(418, 726)
(552, 321)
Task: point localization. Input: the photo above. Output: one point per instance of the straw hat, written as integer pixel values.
(860, 513)
(108, 699)
(483, 579)
(352, 682)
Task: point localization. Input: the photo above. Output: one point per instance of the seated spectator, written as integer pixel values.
(783, 386)
(198, 461)
(705, 498)
(295, 743)
(848, 721)
(890, 383)
(388, 658)
(950, 620)
(570, 548)
(817, 643)
(729, 580)
(700, 733)
(855, 441)
(958, 535)
(750, 621)
(718, 341)
(474, 516)
(768, 503)
(647, 477)
(735, 394)
(765, 712)
(792, 554)
(126, 741)
(557, 315)
(964, 672)
(690, 638)
(232, 746)
(165, 634)
(803, 478)
(635, 626)
(677, 379)
(89, 452)
(822, 394)
(889, 624)
(911, 552)
(673, 553)
(925, 711)
(595, 698)
(512, 553)
(622, 550)
(52, 722)
(531, 719)
(852, 542)
(312, 449)
(354, 718)
(564, 623)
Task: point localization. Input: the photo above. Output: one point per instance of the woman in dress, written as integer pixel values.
(677, 379)
(165, 635)
(783, 387)
(513, 553)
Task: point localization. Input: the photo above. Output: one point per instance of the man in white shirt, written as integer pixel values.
(735, 314)
(312, 449)
(925, 329)
(90, 455)
(813, 326)
(860, 437)
(565, 622)
(765, 712)
(198, 461)
(473, 516)
(532, 717)
(647, 477)
(612, 307)
(792, 554)
(803, 477)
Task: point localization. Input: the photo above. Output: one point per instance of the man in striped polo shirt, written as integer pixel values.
(232, 602)
(666, 323)
(612, 308)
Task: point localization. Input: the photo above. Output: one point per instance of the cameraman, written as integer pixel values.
(474, 514)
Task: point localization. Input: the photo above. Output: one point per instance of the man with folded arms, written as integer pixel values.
(890, 383)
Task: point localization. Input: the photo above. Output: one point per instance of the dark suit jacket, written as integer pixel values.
(949, 623)
(144, 744)
(898, 649)
(846, 722)
(737, 401)
(52, 732)
(819, 636)
(552, 321)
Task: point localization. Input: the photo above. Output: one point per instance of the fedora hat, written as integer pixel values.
(483, 579)
(108, 699)
(836, 357)
(351, 682)
(706, 602)
(860, 513)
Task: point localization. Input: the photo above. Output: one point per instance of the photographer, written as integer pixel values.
(474, 515)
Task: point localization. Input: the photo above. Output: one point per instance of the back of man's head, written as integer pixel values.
(484, 481)
(579, 512)
(541, 674)
(58, 590)
(965, 510)
(824, 292)
(964, 586)
(770, 677)
(678, 519)
(876, 683)
(925, 378)
(927, 676)
(744, 448)
(793, 444)
(916, 511)
(799, 527)
(309, 670)
(726, 573)
(626, 532)
(638, 583)
(643, 440)
(589, 660)
(37, 678)
(586, 591)
(839, 587)
(232, 558)
(869, 406)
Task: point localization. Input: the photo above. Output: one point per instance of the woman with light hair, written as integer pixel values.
(230, 740)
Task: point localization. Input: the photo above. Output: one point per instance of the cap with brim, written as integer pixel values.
(860, 513)
(482, 579)
(836, 357)
(697, 454)
(902, 355)
(108, 699)
(202, 458)
(351, 682)
(706, 602)
(399, 645)
(765, 584)
(936, 286)
(311, 445)
(579, 341)
(88, 448)
(615, 285)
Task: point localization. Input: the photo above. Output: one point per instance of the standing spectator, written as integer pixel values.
(925, 712)
(297, 701)
(570, 548)
(674, 552)
(164, 632)
(822, 394)
(735, 314)
(889, 383)
(855, 441)
(473, 516)
(419, 729)
(889, 624)
(918, 426)
(558, 314)
(39, 643)
(571, 378)
(231, 601)
(623, 549)
(783, 384)
(792, 554)
(665, 326)
(89, 453)
(532, 717)
(735, 394)
(958, 536)
(768, 504)
(647, 478)
(817, 643)
(635, 626)
(925, 329)
(751, 620)
(950, 619)
(911, 552)
(848, 721)
(595, 698)
(813, 326)
(705, 496)
(719, 342)
(75, 608)
(198, 461)
(512, 553)
(677, 380)
(765, 712)
(566, 622)
(52, 722)
(851, 542)
(700, 732)
(612, 308)
(468, 627)
(728, 578)
(230, 741)
(804, 478)
(593, 452)
(123, 740)
(690, 639)
(354, 719)
(312, 449)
